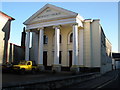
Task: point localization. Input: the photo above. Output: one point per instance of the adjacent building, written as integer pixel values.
(63, 40)
(9, 52)
(116, 60)
(5, 26)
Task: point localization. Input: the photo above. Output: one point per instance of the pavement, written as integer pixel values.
(9, 79)
(13, 79)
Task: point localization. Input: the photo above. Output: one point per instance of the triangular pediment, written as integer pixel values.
(50, 12)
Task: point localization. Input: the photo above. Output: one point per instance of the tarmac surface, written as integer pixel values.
(13, 79)
(110, 80)
(99, 82)
(9, 79)
(113, 84)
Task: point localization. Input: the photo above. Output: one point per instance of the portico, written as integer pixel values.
(57, 19)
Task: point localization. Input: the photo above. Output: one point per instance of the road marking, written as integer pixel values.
(108, 82)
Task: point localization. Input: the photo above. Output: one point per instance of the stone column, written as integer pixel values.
(40, 50)
(27, 44)
(56, 66)
(35, 46)
(81, 47)
(75, 67)
(11, 49)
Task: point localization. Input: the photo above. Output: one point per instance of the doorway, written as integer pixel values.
(70, 58)
(45, 58)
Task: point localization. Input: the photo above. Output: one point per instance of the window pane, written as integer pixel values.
(45, 39)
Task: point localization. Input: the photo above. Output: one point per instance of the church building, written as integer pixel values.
(63, 40)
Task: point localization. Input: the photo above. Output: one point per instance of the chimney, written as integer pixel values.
(23, 38)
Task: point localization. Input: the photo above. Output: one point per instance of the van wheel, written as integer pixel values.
(22, 71)
(33, 71)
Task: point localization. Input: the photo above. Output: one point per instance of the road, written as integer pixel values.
(113, 84)
(110, 80)
(12, 79)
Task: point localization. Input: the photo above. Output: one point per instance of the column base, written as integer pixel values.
(41, 67)
(75, 69)
(56, 68)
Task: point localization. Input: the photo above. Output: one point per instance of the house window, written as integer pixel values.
(71, 38)
(45, 39)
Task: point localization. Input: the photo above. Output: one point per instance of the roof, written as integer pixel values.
(49, 6)
(5, 15)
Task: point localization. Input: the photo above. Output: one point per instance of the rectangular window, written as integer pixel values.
(45, 39)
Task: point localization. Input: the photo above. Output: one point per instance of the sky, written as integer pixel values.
(107, 12)
(119, 27)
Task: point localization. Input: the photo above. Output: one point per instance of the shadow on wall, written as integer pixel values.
(16, 53)
(8, 51)
(6, 30)
(11, 53)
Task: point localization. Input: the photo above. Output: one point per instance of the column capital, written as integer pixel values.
(40, 28)
(81, 29)
(74, 24)
(27, 30)
(57, 26)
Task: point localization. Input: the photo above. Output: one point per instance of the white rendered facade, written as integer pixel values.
(50, 25)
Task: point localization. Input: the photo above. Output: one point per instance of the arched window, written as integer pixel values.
(45, 39)
(71, 38)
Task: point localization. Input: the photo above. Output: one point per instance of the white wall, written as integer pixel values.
(96, 44)
(3, 21)
(87, 44)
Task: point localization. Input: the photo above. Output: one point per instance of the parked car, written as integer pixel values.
(7, 67)
(25, 66)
